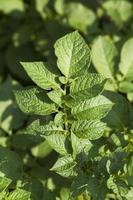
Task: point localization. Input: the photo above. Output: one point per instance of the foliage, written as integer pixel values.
(70, 136)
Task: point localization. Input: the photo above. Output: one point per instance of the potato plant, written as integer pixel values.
(77, 125)
(66, 100)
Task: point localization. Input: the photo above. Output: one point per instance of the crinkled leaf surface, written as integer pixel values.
(42, 74)
(65, 166)
(80, 145)
(87, 86)
(4, 183)
(91, 130)
(94, 108)
(73, 54)
(34, 101)
(40, 128)
(20, 194)
(58, 142)
(56, 96)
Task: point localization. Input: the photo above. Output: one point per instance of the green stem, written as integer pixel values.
(65, 120)
(65, 113)
(115, 84)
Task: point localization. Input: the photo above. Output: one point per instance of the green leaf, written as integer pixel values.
(63, 79)
(79, 185)
(126, 62)
(130, 96)
(56, 96)
(103, 55)
(59, 118)
(130, 194)
(58, 142)
(42, 150)
(118, 117)
(111, 184)
(42, 74)
(33, 189)
(120, 11)
(19, 194)
(59, 6)
(40, 5)
(80, 145)
(126, 87)
(3, 194)
(10, 164)
(88, 187)
(94, 108)
(34, 101)
(73, 54)
(91, 130)
(11, 117)
(65, 193)
(23, 140)
(94, 188)
(65, 166)
(16, 53)
(43, 129)
(87, 86)
(86, 20)
(4, 183)
(10, 6)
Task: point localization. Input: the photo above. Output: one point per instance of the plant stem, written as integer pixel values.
(65, 120)
(65, 113)
(83, 197)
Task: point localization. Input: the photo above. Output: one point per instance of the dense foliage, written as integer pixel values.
(66, 113)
